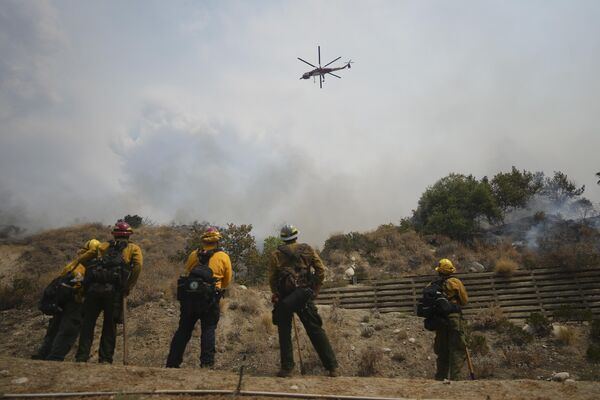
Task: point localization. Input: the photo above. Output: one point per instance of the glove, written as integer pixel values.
(275, 298)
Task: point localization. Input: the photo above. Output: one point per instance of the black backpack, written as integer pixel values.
(108, 273)
(434, 305)
(199, 289)
(56, 295)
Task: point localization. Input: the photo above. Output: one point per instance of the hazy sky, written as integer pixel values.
(194, 109)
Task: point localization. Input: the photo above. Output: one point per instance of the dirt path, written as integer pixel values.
(72, 377)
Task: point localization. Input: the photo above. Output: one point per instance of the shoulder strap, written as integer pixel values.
(201, 254)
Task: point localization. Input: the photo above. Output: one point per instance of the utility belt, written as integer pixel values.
(191, 288)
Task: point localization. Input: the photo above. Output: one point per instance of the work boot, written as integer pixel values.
(285, 373)
(333, 373)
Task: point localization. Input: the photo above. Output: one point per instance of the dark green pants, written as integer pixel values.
(313, 325)
(450, 345)
(62, 332)
(109, 304)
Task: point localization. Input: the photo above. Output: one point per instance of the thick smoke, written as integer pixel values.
(185, 169)
(231, 135)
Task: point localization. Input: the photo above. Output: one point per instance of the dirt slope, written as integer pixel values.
(366, 343)
(57, 377)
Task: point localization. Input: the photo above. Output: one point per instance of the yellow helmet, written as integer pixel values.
(445, 267)
(211, 235)
(92, 244)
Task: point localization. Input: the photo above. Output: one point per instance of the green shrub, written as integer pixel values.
(539, 324)
(478, 344)
(512, 333)
(593, 353)
(567, 313)
(135, 221)
(454, 206)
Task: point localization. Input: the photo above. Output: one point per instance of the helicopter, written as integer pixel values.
(322, 71)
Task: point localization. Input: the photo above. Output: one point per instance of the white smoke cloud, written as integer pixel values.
(187, 111)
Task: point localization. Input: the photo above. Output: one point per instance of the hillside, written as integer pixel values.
(367, 343)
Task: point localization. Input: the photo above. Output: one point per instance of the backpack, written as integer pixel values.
(199, 289)
(108, 273)
(434, 305)
(57, 294)
(296, 274)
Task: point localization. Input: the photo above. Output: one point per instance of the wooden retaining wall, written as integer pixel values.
(541, 290)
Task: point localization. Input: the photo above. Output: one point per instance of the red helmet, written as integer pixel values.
(211, 235)
(122, 229)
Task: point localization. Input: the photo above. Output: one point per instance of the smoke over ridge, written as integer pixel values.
(195, 111)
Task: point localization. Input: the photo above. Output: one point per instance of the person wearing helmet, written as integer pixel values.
(112, 272)
(450, 343)
(208, 272)
(296, 274)
(63, 327)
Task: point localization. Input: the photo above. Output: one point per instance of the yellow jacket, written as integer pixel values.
(456, 292)
(132, 255)
(78, 270)
(219, 263)
(279, 261)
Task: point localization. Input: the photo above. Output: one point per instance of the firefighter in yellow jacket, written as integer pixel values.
(208, 272)
(113, 271)
(63, 328)
(450, 343)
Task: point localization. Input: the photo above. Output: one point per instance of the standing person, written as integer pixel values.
(107, 283)
(450, 342)
(208, 271)
(295, 276)
(64, 326)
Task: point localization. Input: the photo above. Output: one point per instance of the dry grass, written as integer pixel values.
(487, 318)
(485, 366)
(266, 323)
(368, 363)
(251, 305)
(563, 334)
(367, 331)
(505, 266)
(521, 358)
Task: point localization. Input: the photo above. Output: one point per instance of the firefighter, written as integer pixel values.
(110, 277)
(450, 343)
(208, 272)
(64, 325)
(295, 276)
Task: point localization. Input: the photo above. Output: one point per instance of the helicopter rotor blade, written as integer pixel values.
(331, 62)
(319, 49)
(304, 61)
(321, 81)
(331, 73)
